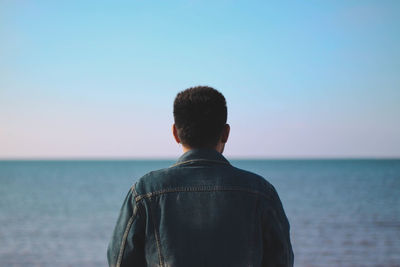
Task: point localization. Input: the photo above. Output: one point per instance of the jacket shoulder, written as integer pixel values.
(151, 181)
(255, 180)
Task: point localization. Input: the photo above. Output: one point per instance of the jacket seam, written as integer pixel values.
(133, 189)
(200, 160)
(198, 189)
(124, 237)
(157, 237)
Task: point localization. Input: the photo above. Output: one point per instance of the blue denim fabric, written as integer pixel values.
(201, 211)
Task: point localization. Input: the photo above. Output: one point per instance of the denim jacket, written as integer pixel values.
(201, 211)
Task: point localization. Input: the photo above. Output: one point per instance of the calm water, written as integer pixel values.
(62, 213)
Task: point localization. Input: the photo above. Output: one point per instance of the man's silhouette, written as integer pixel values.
(201, 211)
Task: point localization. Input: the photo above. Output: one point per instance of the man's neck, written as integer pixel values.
(219, 148)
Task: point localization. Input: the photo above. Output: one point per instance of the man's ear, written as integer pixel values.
(225, 133)
(175, 134)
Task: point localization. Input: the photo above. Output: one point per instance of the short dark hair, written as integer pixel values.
(200, 115)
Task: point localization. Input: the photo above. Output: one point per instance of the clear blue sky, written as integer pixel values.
(98, 78)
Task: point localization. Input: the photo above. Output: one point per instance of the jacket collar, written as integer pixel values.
(203, 154)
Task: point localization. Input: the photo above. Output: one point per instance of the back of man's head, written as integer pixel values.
(200, 115)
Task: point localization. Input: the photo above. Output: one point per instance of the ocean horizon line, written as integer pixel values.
(233, 158)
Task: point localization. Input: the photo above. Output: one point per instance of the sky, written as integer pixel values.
(97, 79)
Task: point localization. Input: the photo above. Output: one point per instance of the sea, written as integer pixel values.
(62, 213)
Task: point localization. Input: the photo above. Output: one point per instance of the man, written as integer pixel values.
(201, 211)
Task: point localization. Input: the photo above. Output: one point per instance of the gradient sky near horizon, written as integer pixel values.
(96, 79)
